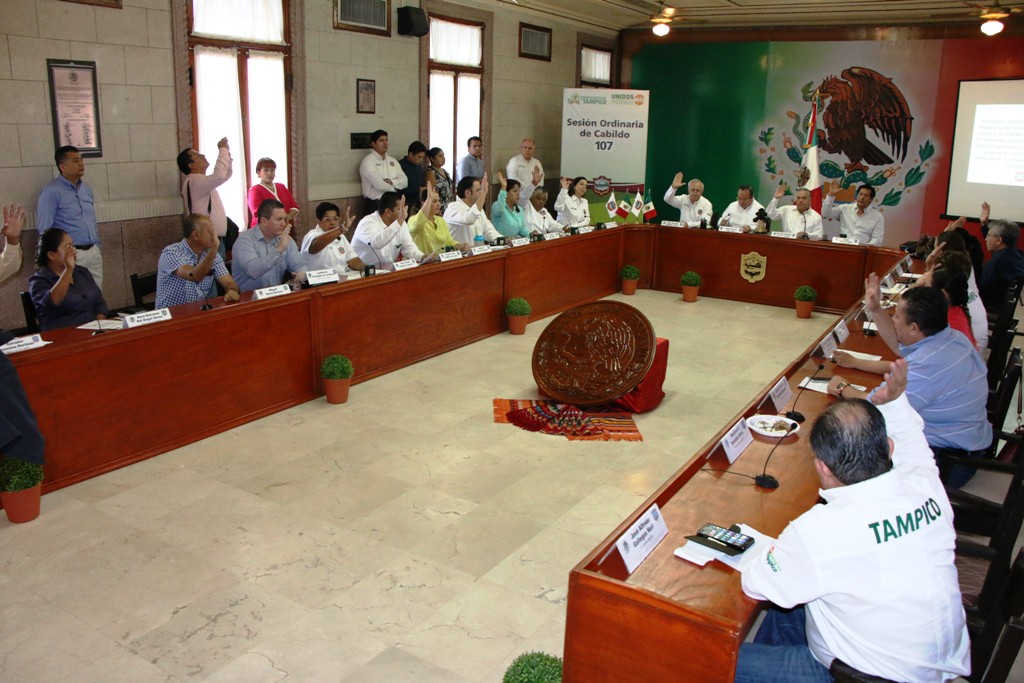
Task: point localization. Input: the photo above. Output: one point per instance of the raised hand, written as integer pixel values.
(780, 191)
(223, 142)
(538, 175)
(833, 189)
(13, 216)
(895, 383)
(502, 181)
(985, 211)
(872, 293)
(350, 217)
(564, 183)
(677, 181)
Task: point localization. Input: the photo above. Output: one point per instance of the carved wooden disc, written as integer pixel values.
(593, 354)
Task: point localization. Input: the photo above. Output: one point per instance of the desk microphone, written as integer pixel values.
(765, 480)
(206, 298)
(794, 414)
(99, 327)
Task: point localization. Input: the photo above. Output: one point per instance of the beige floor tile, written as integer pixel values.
(394, 665)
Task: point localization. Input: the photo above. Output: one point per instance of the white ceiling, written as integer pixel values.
(617, 15)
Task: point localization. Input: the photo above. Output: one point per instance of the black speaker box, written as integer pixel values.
(412, 21)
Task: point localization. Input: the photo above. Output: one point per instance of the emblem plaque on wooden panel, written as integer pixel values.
(753, 267)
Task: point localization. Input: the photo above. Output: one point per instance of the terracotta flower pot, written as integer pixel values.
(804, 309)
(629, 287)
(517, 323)
(336, 390)
(22, 506)
(690, 293)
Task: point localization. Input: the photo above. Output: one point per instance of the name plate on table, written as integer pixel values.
(899, 269)
(551, 236)
(729, 228)
(908, 261)
(784, 235)
(584, 231)
(321, 277)
(450, 255)
(828, 346)
(150, 317)
(271, 292)
(610, 224)
(641, 538)
(844, 240)
(781, 393)
(842, 332)
(887, 282)
(405, 264)
(482, 249)
(520, 241)
(34, 341)
(736, 440)
(671, 224)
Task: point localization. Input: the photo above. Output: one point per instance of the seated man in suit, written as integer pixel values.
(868, 577)
(186, 269)
(263, 254)
(383, 236)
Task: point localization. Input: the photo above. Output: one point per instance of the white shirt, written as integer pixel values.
(466, 222)
(573, 212)
(690, 213)
(539, 222)
(335, 255)
(740, 217)
(868, 228)
(979, 317)
(375, 169)
(10, 260)
(379, 245)
(520, 169)
(875, 568)
(795, 222)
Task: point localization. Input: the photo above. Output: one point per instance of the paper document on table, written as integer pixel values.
(913, 276)
(862, 356)
(737, 562)
(895, 289)
(870, 326)
(102, 324)
(821, 385)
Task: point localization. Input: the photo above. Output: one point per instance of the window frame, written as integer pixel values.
(345, 26)
(537, 29)
(601, 44)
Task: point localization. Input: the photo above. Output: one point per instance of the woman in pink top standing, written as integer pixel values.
(266, 189)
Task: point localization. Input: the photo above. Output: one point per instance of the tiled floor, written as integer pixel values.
(400, 537)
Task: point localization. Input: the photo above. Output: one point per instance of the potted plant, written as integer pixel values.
(336, 371)
(805, 296)
(630, 277)
(518, 312)
(21, 485)
(691, 285)
(534, 667)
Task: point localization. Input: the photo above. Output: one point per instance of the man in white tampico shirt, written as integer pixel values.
(325, 246)
(382, 236)
(740, 214)
(524, 165)
(379, 172)
(538, 220)
(693, 206)
(798, 218)
(859, 220)
(465, 216)
(869, 576)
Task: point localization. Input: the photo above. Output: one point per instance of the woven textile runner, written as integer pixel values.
(550, 417)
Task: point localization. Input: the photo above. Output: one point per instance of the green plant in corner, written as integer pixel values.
(18, 475)
(805, 293)
(690, 279)
(517, 306)
(534, 667)
(336, 366)
(630, 273)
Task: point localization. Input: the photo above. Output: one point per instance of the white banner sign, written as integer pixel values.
(604, 136)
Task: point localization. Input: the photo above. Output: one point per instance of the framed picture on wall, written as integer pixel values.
(74, 103)
(366, 96)
(365, 16)
(116, 4)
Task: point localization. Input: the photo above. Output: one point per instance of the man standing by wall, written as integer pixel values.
(67, 203)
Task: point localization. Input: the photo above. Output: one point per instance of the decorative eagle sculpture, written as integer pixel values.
(865, 99)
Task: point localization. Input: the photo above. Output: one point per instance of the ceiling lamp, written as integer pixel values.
(992, 27)
(660, 30)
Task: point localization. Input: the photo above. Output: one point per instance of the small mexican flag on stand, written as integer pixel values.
(623, 210)
(649, 210)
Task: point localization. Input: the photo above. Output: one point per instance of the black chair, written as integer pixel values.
(1001, 340)
(31, 323)
(142, 286)
(996, 636)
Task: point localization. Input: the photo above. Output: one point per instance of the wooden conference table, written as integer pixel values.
(674, 621)
(113, 399)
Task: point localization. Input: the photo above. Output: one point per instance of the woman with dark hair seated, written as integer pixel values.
(508, 218)
(573, 209)
(439, 178)
(950, 275)
(266, 188)
(64, 294)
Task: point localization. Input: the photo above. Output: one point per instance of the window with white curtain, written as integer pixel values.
(595, 66)
(239, 89)
(456, 71)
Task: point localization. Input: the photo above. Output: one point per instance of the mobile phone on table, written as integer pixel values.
(728, 541)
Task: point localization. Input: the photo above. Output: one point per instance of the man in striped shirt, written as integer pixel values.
(947, 381)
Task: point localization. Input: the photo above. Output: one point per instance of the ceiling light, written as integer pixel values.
(662, 29)
(991, 27)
